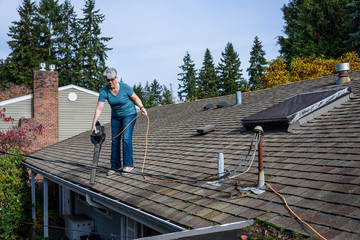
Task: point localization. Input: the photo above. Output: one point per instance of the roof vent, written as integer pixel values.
(342, 69)
(208, 106)
(297, 110)
(205, 129)
(221, 104)
(238, 98)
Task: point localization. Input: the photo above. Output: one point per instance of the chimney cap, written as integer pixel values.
(342, 67)
(52, 67)
(42, 66)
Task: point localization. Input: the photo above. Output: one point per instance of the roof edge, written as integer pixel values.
(29, 96)
(148, 219)
(17, 99)
(78, 88)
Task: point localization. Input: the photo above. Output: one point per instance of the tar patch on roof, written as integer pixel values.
(297, 110)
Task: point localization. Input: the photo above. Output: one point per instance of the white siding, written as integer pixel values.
(16, 110)
(76, 116)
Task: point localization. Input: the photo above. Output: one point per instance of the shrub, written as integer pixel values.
(15, 203)
(276, 74)
(21, 137)
(14, 91)
(305, 68)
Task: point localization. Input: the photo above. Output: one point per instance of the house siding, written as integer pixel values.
(76, 116)
(16, 110)
(106, 226)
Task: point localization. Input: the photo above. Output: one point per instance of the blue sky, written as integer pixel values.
(151, 37)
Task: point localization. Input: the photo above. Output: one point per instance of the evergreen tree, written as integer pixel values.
(25, 53)
(5, 78)
(155, 93)
(92, 48)
(147, 94)
(313, 27)
(352, 16)
(139, 91)
(67, 35)
(230, 74)
(187, 89)
(208, 80)
(48, 21)
(167, 95)
(257, 64)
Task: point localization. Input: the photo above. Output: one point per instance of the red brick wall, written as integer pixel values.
(45, 108)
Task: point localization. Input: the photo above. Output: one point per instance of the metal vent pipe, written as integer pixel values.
(261, 176)
(342, 69)
(220, 165)
(238, 98)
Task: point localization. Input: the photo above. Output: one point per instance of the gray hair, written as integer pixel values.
(110, 73)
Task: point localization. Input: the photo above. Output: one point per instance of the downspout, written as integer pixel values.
(46, 207)
(92, 203)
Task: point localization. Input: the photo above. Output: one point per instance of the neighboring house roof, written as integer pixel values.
(30, 96)
(316, 167)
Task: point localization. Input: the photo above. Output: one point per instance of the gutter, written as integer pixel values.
(92, 203)
(138, 215)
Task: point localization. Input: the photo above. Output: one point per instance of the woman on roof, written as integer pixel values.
(121, 98)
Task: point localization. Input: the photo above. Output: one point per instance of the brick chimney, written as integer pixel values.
(46, 104)
(45, 108)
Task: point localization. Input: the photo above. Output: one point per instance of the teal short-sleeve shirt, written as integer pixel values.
(121, 104)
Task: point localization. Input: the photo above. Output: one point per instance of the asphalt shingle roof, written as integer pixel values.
(316, 167)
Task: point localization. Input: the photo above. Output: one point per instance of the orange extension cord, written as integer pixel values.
(243, 179)
(288, 207)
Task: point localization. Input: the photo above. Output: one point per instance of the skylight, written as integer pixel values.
(297, 110)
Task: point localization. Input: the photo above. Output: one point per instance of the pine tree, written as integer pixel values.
(208, 80)
(230, 74)
(68, 35)
(257, 64)
(92, 48)
(25, 53)
(352, 16)
(167, 95)
(313, 27)
(5, 78)
(155, 93)
(147, 94)
(48, 21)
(139, 91)
(187, 89)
